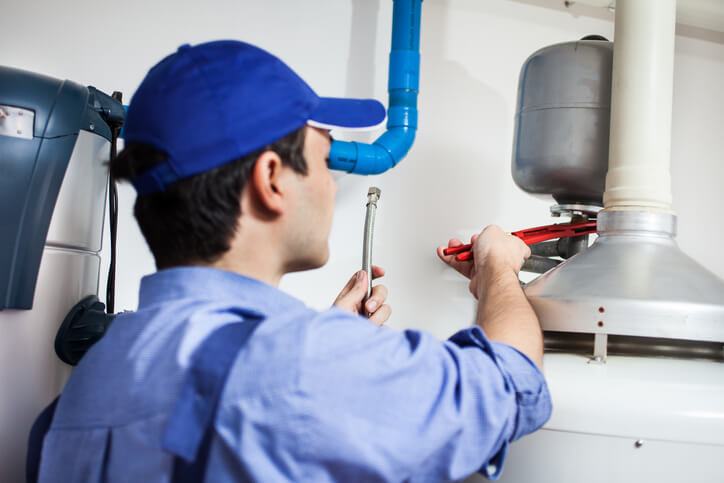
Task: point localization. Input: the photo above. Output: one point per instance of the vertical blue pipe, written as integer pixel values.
(402, 86)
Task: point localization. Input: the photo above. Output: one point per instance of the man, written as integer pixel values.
(219, 375)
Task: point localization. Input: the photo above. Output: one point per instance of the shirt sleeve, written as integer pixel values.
(391, 405)
(526, 380)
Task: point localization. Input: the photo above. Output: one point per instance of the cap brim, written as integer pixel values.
(348, 114)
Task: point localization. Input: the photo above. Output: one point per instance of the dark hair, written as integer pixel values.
(194, 219)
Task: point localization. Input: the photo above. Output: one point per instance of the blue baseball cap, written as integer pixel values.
(207, 105)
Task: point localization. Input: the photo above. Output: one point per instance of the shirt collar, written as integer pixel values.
(206, 283)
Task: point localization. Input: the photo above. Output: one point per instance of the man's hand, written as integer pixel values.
(503, 310)
(350, 298)
(467, 268)
(492, 246)
(464, 268)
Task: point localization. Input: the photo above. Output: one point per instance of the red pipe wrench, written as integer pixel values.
(531, 236)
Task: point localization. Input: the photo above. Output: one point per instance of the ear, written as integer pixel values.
(266, 182)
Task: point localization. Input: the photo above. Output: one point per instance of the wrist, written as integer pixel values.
(493, 270)
(493, 264)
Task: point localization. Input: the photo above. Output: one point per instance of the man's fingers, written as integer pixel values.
(358, 289)
(350, 283)
(350, 298)
(526, 252)
(348, 286)
(446, 258)
(377, 298)
(462, 267)
(454, 242)
(381, 315)
(357, 292)
(354, 292)
(377, 272)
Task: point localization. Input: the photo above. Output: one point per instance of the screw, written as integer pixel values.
(638, 443)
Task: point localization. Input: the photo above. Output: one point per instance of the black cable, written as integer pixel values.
(113, 218)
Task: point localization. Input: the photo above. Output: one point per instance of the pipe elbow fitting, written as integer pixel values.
(396, 142)
(375, 158)
(359, 158)
(386, 151)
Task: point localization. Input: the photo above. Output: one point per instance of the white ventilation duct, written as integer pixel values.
(641, 99)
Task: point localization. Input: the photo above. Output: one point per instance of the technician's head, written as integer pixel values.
(213, 122)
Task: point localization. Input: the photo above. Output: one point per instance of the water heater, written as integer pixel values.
(634, 328)
(55, 138)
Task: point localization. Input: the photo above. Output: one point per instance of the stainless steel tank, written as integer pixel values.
(560, 146)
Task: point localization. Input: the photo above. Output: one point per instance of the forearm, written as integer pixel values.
(504, 312)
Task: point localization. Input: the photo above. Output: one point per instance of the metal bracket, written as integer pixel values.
(600, 348)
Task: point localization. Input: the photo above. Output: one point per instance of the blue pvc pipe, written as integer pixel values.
(403, 86)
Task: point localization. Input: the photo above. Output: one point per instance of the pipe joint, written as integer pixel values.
(404, 70)
(401, 116)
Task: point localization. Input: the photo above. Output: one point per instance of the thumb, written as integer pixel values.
(347, 287)
(351, 297)
(359, 289)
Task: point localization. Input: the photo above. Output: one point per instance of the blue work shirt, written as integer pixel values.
(312, 396)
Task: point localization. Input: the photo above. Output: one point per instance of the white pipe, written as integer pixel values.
(639, 175)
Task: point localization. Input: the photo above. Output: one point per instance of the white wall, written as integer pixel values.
(457, 177)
